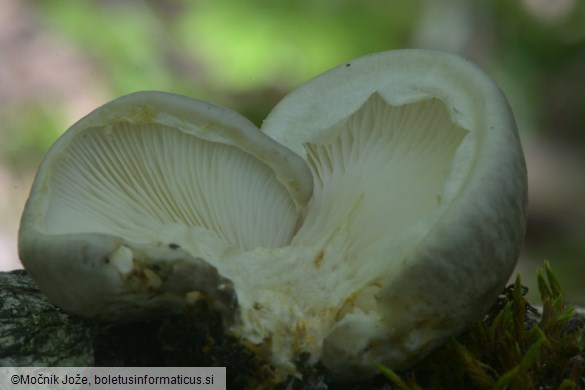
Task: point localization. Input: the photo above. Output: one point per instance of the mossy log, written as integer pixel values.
(514, 346)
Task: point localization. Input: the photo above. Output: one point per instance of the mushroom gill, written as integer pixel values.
(379, 171)
(135, 181)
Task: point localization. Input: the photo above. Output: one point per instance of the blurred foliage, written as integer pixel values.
(248, 44)
(30, 130)
(543, 62)
(248, 54)
(242, 54)
(125, 39)
(225, 45)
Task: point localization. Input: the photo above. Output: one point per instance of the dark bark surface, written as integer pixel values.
(33, 332)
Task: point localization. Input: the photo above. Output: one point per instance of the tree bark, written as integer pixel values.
(34, 332)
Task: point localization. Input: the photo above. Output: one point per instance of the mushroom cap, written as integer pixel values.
(380, 210)
(444, 215)
(141, 172)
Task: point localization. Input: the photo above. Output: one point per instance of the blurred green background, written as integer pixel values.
(60, 59)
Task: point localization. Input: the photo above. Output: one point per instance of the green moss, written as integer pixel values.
(514, 347)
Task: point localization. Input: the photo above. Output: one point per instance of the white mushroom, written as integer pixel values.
(380, 211)
(123, 193)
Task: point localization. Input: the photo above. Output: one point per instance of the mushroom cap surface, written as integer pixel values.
(379, 210)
